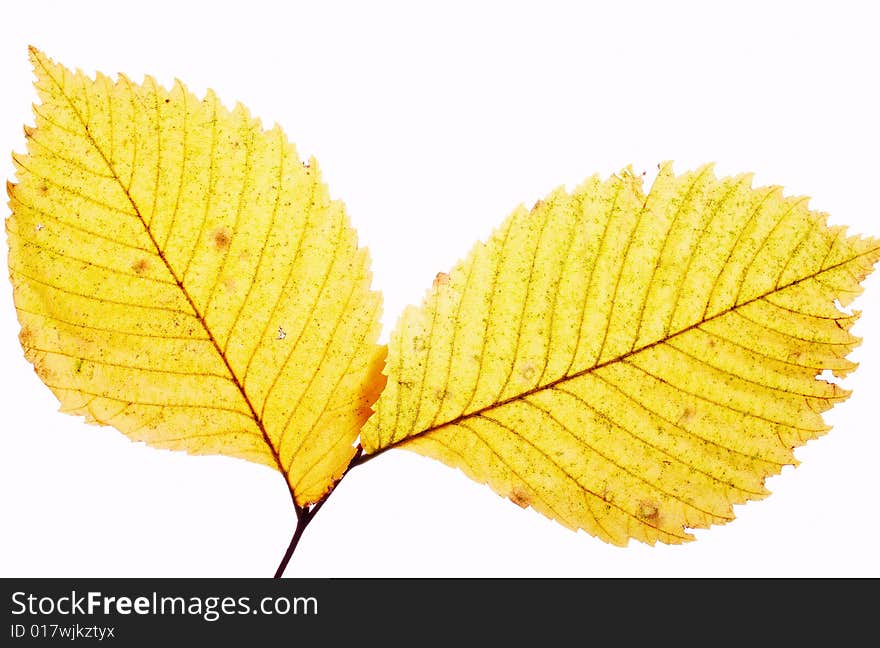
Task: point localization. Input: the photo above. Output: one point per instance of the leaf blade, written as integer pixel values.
(662, 414)
(179, 274)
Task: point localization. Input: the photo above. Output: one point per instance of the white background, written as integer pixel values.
(432, 124)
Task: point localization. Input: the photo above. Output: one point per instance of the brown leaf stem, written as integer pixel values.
(305, 514)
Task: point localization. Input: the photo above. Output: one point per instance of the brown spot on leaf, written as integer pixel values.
(140, 266)
(222, 238)
(44, 372)
(649, 512)
(441, 280)
(519, 497)
(43, 189)
(686, 416)
(26, 336)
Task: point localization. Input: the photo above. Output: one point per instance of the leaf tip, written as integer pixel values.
(124, 78)
(376, 380)
(151, 83)
(520, 497)
(746, 179)
(103, 78)
(441, 279)
(627, 177)
(211, 97)
(241, 110)
(664, 167)
(39, 61)
(628, 172)
(17, 162)
(706, 169)
(377, 368)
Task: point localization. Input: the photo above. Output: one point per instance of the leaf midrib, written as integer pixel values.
(178, 281)
(620, 358)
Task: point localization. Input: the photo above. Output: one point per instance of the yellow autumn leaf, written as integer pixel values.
(629, 364)
(180, 275)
